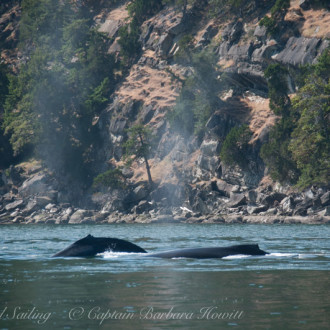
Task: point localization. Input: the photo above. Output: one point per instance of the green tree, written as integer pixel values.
(138, 145)
(275, 152)
(129, 40)
(5, 148)
(235, 147)
(228, 6)
(310, 140)
(112, 178)
(51, 103)
(278, 12)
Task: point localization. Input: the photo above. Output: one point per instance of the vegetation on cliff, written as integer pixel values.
(67, 76)
(299, 144)
(62, 86)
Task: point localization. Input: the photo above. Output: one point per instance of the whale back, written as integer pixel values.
(89, 246)
(212, 252)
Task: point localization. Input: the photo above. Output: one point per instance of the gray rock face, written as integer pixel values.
(224, 188)
(264, 52)
(233, 32)
(208, 161)
(287, 205)
(300, 51)
(140, 193)
(164, 45)
(16, 204)
(241, 52)
(260, 32)
(206, 37)
(35, 185)
(325, 199)
(79, 215)
(237, 200)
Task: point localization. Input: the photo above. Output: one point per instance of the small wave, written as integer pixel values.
(112, 255)
(282, 254)
(237, 256)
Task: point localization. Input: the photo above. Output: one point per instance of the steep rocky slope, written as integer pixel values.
(191, 183)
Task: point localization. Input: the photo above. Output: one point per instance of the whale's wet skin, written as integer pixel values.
(90, 246)
(286, 289)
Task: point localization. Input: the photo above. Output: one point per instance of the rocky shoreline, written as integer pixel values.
(32, 196)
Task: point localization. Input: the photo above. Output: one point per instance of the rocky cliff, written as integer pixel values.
(191, 182)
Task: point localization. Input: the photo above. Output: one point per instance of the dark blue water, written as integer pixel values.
(287, 289)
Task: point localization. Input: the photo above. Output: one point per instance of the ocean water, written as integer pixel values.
(287, 289)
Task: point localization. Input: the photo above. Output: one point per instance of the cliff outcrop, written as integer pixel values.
(191, 182)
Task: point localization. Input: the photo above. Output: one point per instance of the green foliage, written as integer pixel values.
(42, 21)
(4, 82)
(270, 24)
(320, 3)
(236, 146)
(112, 178)
(142, 9)
(139, 145)
(299, 144)
(52, 101)
(217, 7)
(182, 4)
(5, 148)
(139, 142)
(129, 40)
(310, 140)
(280, 7)
(139, 11)
(185, 45)
(278, 12)
(275, 153)
(276, 76)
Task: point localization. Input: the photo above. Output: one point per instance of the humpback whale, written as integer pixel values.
(89, 246)
(212, 252)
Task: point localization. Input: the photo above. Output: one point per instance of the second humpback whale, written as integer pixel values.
(89, 246)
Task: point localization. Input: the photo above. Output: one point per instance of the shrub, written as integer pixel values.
(236, 145)
(112, 178)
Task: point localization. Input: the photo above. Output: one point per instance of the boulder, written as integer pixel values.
(173, 193)
(224, 188)
(42, 201)
(207, 35)
(270, 200)
(77, 216)
(236, 200)
(240, 52)
(287, 205)
(232, 32)
(300, 51)
(325, 199)
(31, 206)
(14, 175)
(265, 51)
(164, 45)
(35, 185)
(140, 192)
(327, 211)
(16, 204)
(143, 206)
(252, 196)
(260, 32)
(254, 209)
